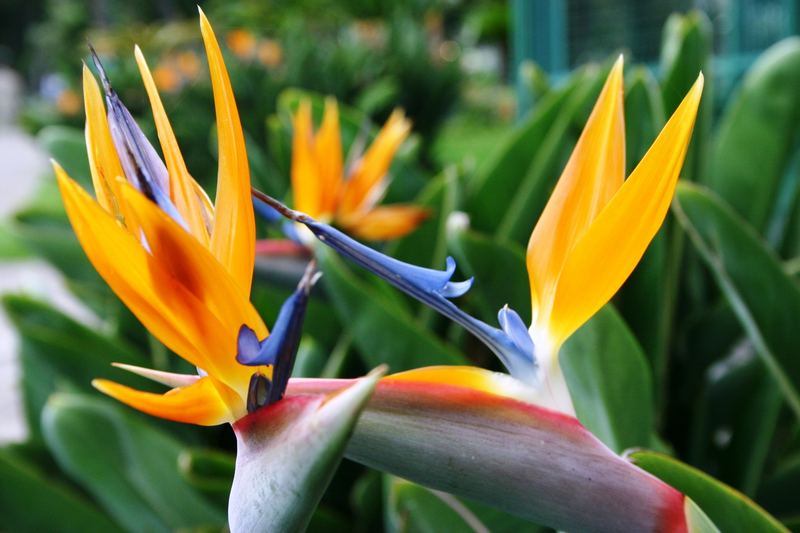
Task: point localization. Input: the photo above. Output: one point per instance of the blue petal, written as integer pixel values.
(248, 348)
(140, 161)
(515, 328)
(280, 347)
(432, 287)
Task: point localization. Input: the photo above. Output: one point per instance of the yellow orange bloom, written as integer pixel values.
(186, 275)
(597, 225)
(325, 190)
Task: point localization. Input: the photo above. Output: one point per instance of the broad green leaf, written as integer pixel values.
(685, 53)
(763, 296)
(427, 244)
(515, 220)
(11, 246)
(413, 508)
(609, 381)
(31, 502)
(287, 454)
(68, 147)
(729, 509)
(642, 299)
(779, 493)
(209, 471)
(737, 417)
(755, 138)
(129, 466)
(492, 188)
(57, 350)
(696, 520)
(382, 331)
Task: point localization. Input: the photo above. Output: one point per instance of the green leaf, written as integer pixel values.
(696, 520)
(413, 508)
(609, 381)
(57, 350)
(642, 299)
(755, 139)
(517, 218)
(287, 455)
(498, 267)
(729, 509)
(30, 501)
(495, 183)
(208, 471)
(742, 403)
(382, 331)
(685, 53)
(68, 147)
(130, 467)
(779, 492)
(765, 299)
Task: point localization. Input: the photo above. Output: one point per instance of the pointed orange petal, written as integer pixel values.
(306, 186)
(103, 161)
(608, 252)
(364, 182)
(181, 189)
(193, 266)
(169, 311)
(593, 174)
(234, 234)
(386, 222)
(205, 402)
(328, 152)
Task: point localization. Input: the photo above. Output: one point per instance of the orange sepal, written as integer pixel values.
(234, 234)
(205, 402)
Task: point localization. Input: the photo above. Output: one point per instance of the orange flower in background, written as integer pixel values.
(270, 53)
(242, 43)
(324, 189)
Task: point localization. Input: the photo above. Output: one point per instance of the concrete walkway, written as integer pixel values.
(24, 164)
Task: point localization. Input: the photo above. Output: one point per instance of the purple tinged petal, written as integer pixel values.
(140, 161)
(279, 349)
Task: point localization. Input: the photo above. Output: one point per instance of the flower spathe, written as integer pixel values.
(348, 197)
(182, 265)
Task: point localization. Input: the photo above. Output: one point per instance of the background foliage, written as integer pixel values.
(696, 357)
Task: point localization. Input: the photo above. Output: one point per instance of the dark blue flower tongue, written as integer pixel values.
(432, 287)
(279, 349)
(140, 161)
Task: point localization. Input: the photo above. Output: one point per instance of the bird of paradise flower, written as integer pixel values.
(184, 267)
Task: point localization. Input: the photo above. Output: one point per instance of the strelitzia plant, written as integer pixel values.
(513, 441)
(184, 267)
(347, 193)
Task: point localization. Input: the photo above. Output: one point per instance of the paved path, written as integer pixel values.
(23, 164)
